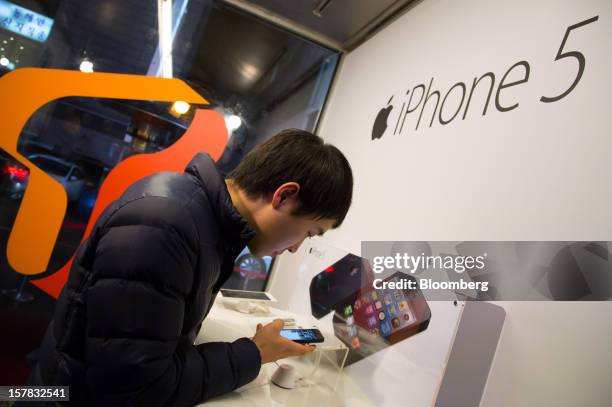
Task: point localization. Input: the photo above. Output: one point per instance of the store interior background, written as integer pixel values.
(538, 172)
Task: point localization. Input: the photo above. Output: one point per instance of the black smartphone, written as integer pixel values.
(303, 335)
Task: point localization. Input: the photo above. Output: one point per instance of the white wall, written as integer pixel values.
(539, 172)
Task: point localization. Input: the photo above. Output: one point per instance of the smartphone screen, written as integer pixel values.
(381, 312)
(302, 335)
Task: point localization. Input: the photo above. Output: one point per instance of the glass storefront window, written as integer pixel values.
(261, 77)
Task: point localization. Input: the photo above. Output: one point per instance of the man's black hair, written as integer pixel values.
(323, 173)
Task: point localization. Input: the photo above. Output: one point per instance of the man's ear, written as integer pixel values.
(285, 194)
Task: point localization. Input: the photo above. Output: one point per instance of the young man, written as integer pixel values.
(142, 283)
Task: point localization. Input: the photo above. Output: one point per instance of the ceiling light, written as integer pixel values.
(4, 61)
(180, 107)
(164, 21)
(249, 72)
(232, 122)
(86, 66)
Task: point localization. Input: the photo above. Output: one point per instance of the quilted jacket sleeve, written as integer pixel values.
(135, 353)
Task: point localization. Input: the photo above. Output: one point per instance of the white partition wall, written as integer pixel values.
(483, 120)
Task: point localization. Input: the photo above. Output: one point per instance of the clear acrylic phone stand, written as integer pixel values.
(324, 366)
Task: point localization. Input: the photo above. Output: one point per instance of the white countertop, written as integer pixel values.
(327, 387)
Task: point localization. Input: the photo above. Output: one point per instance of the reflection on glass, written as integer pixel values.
(260, 77)
(250, 272)
(78, 141)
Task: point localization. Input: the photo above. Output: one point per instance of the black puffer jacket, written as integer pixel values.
(139, 288)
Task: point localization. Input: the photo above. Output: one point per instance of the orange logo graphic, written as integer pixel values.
(44, 203)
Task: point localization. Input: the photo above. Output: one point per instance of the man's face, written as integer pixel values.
(280, 230)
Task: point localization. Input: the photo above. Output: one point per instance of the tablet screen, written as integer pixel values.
(248, 295)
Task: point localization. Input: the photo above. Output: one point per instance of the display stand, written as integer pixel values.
(324, 366)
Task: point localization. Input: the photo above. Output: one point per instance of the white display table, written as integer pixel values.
(322, 380)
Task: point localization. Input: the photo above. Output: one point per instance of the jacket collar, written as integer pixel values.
(234, 230)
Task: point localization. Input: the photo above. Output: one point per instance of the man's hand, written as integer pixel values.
(272, 346)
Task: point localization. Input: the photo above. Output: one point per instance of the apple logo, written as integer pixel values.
(380, 124)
